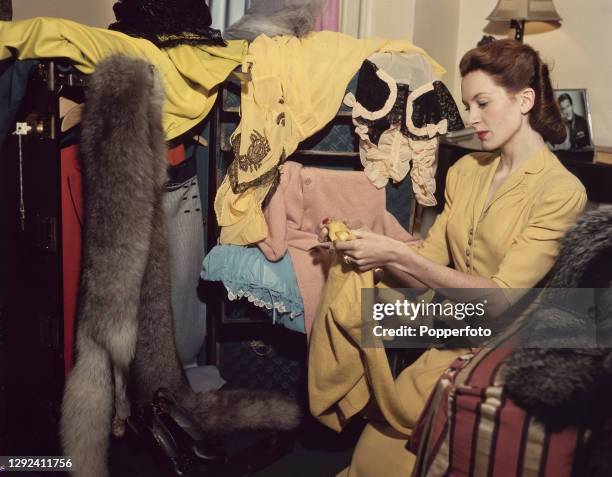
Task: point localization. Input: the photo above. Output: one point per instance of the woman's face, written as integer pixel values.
(495, 114)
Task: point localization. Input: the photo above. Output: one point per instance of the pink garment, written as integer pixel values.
(304, 197)
(329, 19)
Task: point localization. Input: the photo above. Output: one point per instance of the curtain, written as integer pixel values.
(330, 16)
(355, 17)
(226, 12)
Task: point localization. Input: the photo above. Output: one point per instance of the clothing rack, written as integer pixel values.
(223, 120)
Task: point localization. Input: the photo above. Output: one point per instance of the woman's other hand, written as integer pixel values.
(369, 250)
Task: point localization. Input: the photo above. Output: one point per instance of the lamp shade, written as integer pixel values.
(526, 10)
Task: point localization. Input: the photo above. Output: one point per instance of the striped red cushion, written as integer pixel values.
(470, 427)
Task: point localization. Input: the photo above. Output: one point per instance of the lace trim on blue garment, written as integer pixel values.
(255, 296)
(246, 273)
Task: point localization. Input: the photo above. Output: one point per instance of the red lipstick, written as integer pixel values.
(482, 134)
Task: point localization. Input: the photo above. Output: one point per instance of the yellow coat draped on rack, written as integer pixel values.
(190, 74)
(296, 87)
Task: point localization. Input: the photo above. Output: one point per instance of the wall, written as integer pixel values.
(393, 19)
(97, 13)
(580, 52)
(383, 18)
(437, 33)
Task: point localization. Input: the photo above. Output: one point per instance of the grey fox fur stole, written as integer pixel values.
(571, 385)
(276, 17)
(124, 312)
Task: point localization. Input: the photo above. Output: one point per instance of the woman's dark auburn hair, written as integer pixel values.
(515, 66)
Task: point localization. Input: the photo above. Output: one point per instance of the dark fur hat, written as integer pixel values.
(167, 23)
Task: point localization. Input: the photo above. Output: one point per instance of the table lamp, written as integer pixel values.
(517, 12)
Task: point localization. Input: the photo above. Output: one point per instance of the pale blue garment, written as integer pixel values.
(246, 272)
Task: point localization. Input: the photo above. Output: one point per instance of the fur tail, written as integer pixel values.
(86, 411)
(156, 364)
(123, 157)
(234, 410)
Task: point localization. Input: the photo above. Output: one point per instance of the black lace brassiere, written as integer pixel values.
(430, 104)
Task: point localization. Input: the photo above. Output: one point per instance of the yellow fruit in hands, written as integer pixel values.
(338, 230)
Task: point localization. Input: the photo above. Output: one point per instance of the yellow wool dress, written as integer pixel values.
(514, 241)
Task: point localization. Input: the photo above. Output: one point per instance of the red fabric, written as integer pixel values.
(484, 374)
(508, 449)
(72, 218)
(465, 417)
(176, 155)
(558, 461)
(329, 18)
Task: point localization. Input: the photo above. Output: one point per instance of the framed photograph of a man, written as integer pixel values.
(576, 115)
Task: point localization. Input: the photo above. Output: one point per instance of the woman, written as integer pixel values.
(504, 215)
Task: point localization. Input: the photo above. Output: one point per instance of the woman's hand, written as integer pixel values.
(323, 232)
(369, 250)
